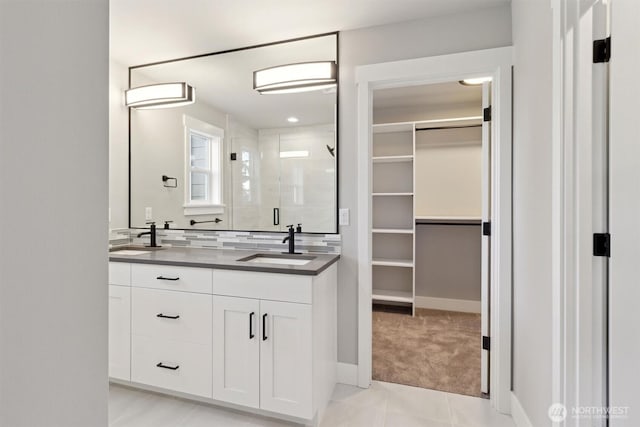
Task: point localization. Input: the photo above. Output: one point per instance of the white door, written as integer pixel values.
(119, 332)
(285, 358)
(236, 350)
(624, 172)
(485, 281)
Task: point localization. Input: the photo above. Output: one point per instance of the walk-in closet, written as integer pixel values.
(429, 196)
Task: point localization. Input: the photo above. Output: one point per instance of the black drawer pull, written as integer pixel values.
(264, 327)
(173, 279)
(173, 368)
(164, 316)
(251, 334)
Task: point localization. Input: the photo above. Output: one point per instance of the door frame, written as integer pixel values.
(430, 70)
(579, 208)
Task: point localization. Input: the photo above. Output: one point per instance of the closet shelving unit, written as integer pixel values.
(394, 218)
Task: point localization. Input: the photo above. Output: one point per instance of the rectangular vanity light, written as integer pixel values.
(291, 78)
(163, 95)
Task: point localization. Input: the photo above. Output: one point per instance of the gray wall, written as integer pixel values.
(448, 261)
(482, 29)
(532, 208)
(53, 213)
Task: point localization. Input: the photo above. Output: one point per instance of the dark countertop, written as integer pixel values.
(223, 259)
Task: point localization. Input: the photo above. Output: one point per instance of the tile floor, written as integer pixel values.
(383, 405)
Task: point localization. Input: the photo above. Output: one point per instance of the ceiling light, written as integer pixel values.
(163, 95)
(292, 119)
(292, 78)
(475, 81)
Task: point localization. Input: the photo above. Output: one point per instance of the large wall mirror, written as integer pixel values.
(235, 159)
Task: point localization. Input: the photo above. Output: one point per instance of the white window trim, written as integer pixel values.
(190, 208)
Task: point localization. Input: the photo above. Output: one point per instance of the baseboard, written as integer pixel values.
(518, 414)
(466, 306)
(347, 373)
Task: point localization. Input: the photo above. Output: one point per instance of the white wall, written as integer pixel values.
(482, 29)
(532, 207)
(160, 150)
(449, 172)
(118, 146)
(53, 213)
(624, 292)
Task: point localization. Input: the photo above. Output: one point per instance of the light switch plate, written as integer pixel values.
(148, 214)
(343, 217)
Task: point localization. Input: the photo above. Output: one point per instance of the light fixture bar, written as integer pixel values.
(475, 81)
(292, 78)
(162, 95)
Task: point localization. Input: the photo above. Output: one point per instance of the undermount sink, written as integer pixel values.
(278, 259)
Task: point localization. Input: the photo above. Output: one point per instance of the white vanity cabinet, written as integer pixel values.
(119, 321)
(259, 340)
(276, 352)
(286, 368)
(263, 355)
(236, 354)
(171, 328)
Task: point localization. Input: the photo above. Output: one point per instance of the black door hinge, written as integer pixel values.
(602, 50)
(234, 156)
(486, 229)
(486, 114)
(602, 244)
(486, 343)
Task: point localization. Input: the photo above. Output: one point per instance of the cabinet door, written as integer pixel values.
(120, 332)
(236, 350)
(285, 358)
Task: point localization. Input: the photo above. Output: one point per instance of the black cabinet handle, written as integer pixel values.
(264, 327)
(167, 278)
(164, 316)
(162, 365)
(251, 334)
(276, 216)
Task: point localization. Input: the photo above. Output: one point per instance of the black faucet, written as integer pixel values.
(152, 235)
(292, 239)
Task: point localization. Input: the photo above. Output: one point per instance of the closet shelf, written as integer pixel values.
(392, 159)
(408, 126)
(392, 230)
(392, 262)
(393, 127)
(392, 194)
(394, 296)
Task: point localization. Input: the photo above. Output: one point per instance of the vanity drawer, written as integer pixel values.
(191, 365)
(172, 278)
(170, 315)
(119, 273)
(267, 286)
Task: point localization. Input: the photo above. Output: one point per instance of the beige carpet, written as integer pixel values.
(435, 349)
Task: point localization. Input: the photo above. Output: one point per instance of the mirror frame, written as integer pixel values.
(222, 52)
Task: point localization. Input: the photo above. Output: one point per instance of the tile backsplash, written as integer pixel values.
(244, 240)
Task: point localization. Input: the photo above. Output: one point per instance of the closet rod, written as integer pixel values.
(449, 127)
(450, 222)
